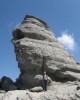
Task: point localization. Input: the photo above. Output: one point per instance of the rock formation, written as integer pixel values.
(7, 84)
(38, 50)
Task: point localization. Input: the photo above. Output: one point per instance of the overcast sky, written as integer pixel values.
(62, 16)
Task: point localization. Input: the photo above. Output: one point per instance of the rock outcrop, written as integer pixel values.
(7, 84)
(37, 49)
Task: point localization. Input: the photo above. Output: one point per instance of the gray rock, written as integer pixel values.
(57, 91)
(37, 49)
(2, 94)
(12, 87)
(36, 89)
(2, 91)
(39, 78)
(7, 84)
(31, 80)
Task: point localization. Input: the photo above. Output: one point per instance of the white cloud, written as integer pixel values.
(67, 40)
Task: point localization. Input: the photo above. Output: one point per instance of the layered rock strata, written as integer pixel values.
(37, 49)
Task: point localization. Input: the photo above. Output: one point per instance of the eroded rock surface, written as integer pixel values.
(7, 84)
(57, 91)
(37, 49)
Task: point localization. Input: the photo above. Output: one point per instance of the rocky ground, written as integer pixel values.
(56, 91)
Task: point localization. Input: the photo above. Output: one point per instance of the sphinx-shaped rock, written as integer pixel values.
(37, 49)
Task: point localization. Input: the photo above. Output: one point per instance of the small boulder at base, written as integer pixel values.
(36, 89)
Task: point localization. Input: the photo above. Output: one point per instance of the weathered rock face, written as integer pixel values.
(37, 50)
(7, 84)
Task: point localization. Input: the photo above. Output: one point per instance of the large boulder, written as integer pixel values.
(7, 84)
(31, 80)
(37, 49)
(36, 89)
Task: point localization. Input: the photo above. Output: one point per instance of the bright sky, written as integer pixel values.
(62, 16)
